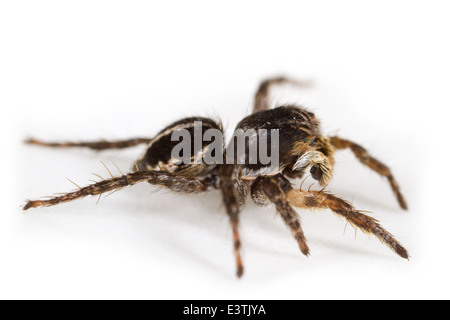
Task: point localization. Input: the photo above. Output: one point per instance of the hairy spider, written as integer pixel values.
(301, 146)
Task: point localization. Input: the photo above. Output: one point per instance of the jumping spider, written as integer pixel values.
(302, 146)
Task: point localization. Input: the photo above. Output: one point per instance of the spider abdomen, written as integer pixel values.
(177, 148)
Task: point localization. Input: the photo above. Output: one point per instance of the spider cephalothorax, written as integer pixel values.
(298, 130)
(291, 133)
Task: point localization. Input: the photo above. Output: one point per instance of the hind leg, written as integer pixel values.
(95, 145)
(171, 181)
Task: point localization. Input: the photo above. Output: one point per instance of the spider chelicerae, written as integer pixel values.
(300, 147)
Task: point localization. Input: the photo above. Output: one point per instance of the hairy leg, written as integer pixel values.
(160, 178)
(273, 189)
(372, 163)
(95, 145)
(232, 207)
(324, 200)
(262, 96)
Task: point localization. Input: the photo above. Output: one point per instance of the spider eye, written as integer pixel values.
(316, 173)
(310, 140)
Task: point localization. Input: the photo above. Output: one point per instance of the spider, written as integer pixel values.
(302, 147)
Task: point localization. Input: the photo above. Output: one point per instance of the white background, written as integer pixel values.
(86, 70)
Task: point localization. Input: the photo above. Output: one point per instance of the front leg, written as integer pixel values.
(227, 185)
(372, 163)
(274, 190)
(323, 200)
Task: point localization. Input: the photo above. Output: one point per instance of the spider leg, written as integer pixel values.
(95, 145)
(173, 182)
(324, 200)
(372, 163)
(262, 101)
(232, 208)
(272, 188)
